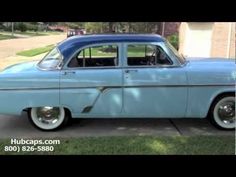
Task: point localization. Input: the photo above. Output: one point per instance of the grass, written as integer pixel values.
(33, 33)
(7, 34)
(135, 145)
(96, 51)
(36, 51)
(3, 37)
(133, 52)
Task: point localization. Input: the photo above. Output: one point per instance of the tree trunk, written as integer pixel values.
(146, 27)
(158, 27)
(130, 27)
(110, 24)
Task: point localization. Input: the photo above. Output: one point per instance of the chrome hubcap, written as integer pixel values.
(226, 112)
(48, 115)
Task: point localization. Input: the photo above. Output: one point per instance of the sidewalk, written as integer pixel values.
(9, 48)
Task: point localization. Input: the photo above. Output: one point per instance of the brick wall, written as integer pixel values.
(220, 35)
(220, 40)
(233, 42)
(182, 34)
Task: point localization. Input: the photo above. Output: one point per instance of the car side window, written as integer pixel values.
(96, 56)
(147, 55)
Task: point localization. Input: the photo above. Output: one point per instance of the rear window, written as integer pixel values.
(146, 55)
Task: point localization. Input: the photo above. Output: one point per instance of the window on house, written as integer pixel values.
(96, 56)
(139, 55)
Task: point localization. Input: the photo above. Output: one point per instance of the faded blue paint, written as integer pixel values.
(24, 86)
(208, 72)
(105, 103)
(180, 91)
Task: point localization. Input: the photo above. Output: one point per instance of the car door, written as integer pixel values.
(153, 85)
(91, 82)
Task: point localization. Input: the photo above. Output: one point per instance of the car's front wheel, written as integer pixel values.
(223, 112)
(48, 118)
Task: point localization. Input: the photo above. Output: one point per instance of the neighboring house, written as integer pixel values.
(58, 27)
(207, 39)
(170, 28)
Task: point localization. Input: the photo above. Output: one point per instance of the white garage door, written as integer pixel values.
(198, 40)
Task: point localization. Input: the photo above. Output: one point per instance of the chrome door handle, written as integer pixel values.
(69, 72)
(131, 70)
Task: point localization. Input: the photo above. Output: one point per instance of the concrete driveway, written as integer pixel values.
(11, 46)
(19, 127)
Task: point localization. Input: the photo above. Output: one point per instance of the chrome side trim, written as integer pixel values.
(87, 109)
(25, 89)
(103, 88)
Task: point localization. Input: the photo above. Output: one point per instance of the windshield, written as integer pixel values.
(181, 59)
(51, 60)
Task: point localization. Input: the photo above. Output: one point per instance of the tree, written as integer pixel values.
(111, 26)
(94, 27)
(32, 26)
(119, 27)
(21, 26)
(1, 25)
(158, 27)
(73, 25)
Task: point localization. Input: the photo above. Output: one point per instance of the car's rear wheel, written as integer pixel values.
(223, 112)
(48, 118)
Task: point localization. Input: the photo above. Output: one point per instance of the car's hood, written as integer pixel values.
(211, 62)
(211, 71)
(21, 67)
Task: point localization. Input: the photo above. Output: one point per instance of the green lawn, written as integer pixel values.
(3, 37)
(135, 145)
(7, 34)
(133, 52)
(36, 51)
(33, 33)
(95, 51)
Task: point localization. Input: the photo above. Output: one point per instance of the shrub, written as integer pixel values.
(6, 28)
(32, 27)
(174, 40)
(21, 26)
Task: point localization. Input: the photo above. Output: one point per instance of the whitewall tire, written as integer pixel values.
(48, 118)
(223, 113)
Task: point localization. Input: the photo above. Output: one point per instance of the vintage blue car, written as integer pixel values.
(119, 76)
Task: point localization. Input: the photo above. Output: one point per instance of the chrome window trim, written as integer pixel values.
(122, 63)
(122, 67)
(172, 53)
(118, 44)
(58, 67)
(159, 44)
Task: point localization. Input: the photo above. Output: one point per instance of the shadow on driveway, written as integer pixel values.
(19, 127)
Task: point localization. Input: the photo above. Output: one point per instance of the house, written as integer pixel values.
(169, 28)
(58, 28)
(207, 39)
